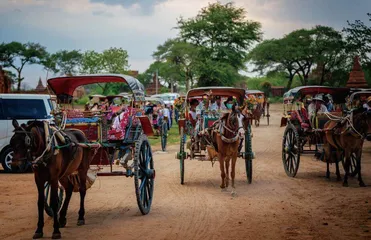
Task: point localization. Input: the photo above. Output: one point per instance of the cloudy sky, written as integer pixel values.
(139, 26)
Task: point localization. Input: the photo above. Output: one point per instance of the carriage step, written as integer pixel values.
(115, 173)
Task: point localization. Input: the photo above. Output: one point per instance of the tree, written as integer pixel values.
(68, 62)
(181, 56)
(223, 37)
(329, 50)
(50, 64)
(92, 62)
(358, 37)
(115, 60)
(16, 55)
(275, 55)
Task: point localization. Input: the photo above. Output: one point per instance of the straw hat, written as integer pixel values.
(368, 99)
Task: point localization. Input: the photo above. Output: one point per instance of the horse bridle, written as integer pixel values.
(28, 142)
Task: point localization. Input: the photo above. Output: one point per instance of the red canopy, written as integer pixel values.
(67, 85)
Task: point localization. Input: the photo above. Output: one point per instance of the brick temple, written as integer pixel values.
(357, 76)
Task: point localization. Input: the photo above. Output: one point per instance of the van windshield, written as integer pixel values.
(24, 109)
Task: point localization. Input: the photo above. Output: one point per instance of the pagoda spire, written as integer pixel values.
(40, 86)
(357, 76)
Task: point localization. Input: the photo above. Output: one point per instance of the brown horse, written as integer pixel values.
(346, 137)
(29, 142)
(226, 137)
(256, 114)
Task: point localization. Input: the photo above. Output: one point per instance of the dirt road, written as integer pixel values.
(274, 206)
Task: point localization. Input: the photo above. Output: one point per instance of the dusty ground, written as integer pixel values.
(274, 206)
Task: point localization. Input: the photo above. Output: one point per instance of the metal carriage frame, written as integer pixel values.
(186, 129)
(134, 150)
(298, 133)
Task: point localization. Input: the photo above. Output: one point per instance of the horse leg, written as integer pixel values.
(82, 175)
(346, 166)
(338, 157)
(227, 159)
(54, 205)
(40, 206)
(359, 155)
(233, 172)
(222, 174)
(63, 212)
(328, 155)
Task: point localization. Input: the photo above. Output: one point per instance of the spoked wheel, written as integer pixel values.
(291, 150)
(144, 174)
(182, 154)
(268, 114)
(164, 136)
(47, 206)
(353, 168)
(248, 154)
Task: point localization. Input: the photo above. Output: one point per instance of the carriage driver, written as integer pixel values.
(317, 106)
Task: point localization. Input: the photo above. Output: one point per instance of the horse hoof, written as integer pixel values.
(37, 235)
(62, 223)
(345, 185)
(362, 184)
(56, 236)
(80, 222)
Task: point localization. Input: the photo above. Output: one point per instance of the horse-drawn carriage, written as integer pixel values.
(212, 124)
(78, 140)
(258, 105)
(157, 119)
(314, 116)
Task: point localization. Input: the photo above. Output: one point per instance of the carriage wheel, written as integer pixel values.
(164, 136)
(291, 150)
(144, 174)
(268, 113)
(182, 154)
(248, 155)
(353, 168)
(47, 207)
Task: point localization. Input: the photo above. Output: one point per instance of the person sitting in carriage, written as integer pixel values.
(317, 106)
(367, 104)
(193, 112)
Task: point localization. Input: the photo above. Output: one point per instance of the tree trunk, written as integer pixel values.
(19, 79)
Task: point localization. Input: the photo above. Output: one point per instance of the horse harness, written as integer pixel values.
(51, 144)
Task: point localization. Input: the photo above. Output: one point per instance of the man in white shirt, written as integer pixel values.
(317, 106)
(166, 113)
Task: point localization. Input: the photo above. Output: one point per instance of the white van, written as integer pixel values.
(23, 107)
(168, 98)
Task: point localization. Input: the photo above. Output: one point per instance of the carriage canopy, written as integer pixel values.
(338, 94)
(64, 87)
(239, 93)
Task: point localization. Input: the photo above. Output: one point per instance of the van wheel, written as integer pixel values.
(6, 158)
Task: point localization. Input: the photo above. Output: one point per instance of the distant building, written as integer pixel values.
(5, 83)
(357, 76)
(40, 87)
(151, 88)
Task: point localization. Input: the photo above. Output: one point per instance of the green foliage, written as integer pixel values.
(179, 57)
(223, 37)
(91, 62)
(301, 50)
(16, 55)
(358, 38)
(68, 62)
